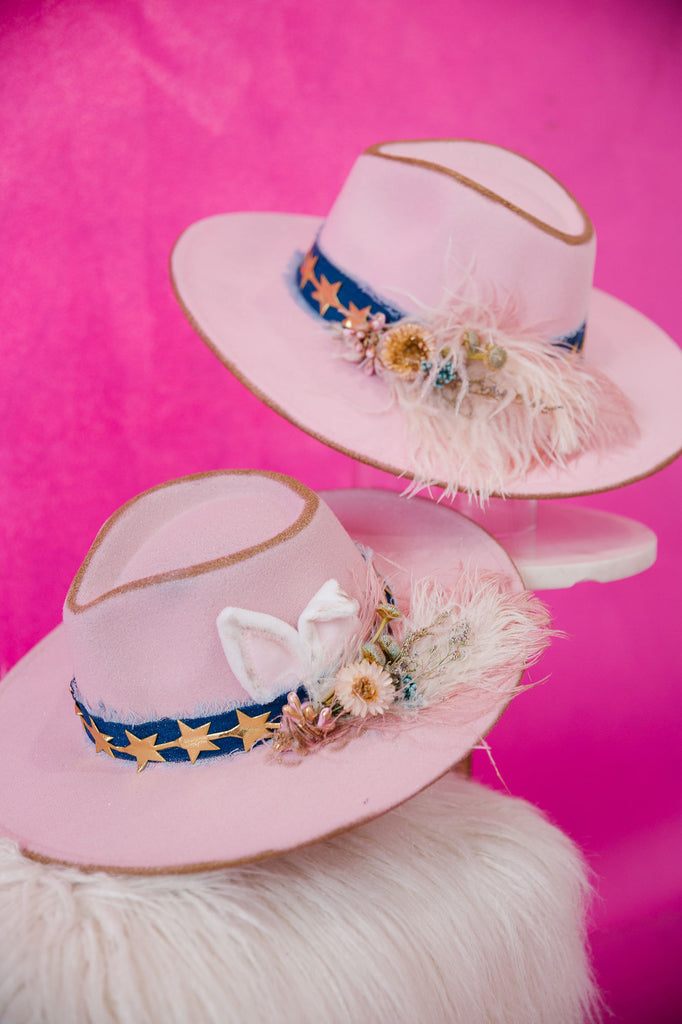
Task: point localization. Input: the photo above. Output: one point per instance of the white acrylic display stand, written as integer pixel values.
(555, 546)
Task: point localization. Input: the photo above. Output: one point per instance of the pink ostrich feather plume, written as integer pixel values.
(476, 637)
(542, 407)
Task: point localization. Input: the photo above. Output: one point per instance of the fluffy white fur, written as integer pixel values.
(555, 405)
(461, 907)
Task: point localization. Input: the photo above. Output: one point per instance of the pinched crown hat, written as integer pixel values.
(441, 324)
(250, 671)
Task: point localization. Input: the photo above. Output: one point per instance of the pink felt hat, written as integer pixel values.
(244, 668)
(441, 324)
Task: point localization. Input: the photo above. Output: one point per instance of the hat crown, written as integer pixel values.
(141, 612)
(419, 222)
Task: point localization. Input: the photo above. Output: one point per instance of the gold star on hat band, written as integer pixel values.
(184, 740)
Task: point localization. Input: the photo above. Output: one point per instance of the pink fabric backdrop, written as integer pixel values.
(122, 121)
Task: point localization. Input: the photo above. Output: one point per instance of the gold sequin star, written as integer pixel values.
(250, 730)
(358, 318)
(326, 294)
(194, 740)
(308, 270)
(143, 749)
(102, 741)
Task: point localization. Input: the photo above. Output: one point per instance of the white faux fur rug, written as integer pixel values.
(462, 906)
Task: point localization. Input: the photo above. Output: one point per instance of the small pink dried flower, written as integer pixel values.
(302, 726)
(364, 688)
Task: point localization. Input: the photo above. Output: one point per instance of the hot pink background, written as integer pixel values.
(122, 122)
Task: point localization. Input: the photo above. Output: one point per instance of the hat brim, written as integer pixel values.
(234, 278)
(63, 802)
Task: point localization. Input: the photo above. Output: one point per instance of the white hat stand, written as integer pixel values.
(554, 545)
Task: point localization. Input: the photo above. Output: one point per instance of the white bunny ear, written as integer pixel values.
(327, 623)
(266, 654)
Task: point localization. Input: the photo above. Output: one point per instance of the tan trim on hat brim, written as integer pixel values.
(311, 501)
(563, 236)
(463, 766)
(217, 865)
(385, 467)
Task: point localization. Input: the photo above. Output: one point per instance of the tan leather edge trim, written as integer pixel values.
(585, 235)
(402, 474)
(310, 507)
(217, 865)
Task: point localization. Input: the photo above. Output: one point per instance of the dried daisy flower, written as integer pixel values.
(405, 349)
(364, 688)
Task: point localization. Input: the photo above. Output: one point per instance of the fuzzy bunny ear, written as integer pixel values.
(327, 623)
(267, 655)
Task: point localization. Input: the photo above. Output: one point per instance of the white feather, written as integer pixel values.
(477, 637)
(550, 407)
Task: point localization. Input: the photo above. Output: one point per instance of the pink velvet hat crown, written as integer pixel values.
(145, 601)
(252, 668)
(441, 323)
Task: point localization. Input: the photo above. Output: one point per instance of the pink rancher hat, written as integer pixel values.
(441, 324)
(251, 669)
